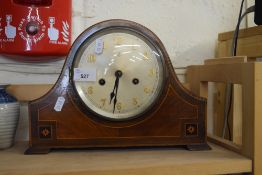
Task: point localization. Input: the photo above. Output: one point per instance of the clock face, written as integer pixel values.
(118, 74)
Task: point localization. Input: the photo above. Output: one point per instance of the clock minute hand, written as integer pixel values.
(112, 94)
(118, 74)
(115, 99)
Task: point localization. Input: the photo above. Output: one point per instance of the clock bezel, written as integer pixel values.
(122, 25)
(129, 114)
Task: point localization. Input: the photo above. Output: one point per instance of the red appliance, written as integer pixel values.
(35, 30)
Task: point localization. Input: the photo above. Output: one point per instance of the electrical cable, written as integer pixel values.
(235, 37)
(237, 29)
(229, 86)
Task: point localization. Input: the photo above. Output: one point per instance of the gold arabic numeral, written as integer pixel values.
(147, 90)
(135, 101)
(103, 101)
(105, 45)
(91, 58)
(119, 106)
(151, 72)
(146, 55)
(119, 40)
(90, 90)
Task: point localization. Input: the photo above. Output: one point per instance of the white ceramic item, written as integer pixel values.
(9, 114)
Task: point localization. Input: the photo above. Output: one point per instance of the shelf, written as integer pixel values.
(25, 93)
(153, 161)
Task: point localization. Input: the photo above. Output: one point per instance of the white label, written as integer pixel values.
(87, 74)
(99, 46)
(59, 104)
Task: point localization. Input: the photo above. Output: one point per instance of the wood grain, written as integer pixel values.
(25, 93)
(249, 43)
(226, 60)
(257, 119)
(243, 33)
(157, 161)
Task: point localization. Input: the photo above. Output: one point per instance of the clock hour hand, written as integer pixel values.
(115, 101)
(112, 95)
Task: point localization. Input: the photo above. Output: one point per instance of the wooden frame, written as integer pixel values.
(249, 75)
(249, 44)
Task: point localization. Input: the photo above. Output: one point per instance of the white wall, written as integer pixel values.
(250, 18)
(188, 29)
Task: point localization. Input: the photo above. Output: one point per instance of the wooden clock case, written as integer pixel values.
(177, 118)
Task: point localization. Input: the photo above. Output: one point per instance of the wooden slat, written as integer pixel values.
(161, 161)
(257, 119)
(228, 60)
(249, 117)
(237, 123)
(242, 33)
(218, 109)
(251, 46)
(213, 73)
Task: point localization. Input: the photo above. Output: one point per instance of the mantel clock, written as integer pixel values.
(117, 88)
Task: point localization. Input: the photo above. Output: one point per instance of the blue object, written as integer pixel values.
(258, 12)
(5, 97)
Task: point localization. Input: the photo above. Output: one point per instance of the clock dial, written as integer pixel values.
(128, 74)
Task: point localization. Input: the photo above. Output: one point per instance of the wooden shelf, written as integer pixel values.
(153, 161)
(25, 93)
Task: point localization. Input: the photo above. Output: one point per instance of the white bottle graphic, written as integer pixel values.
(10, 31)
(53, 33)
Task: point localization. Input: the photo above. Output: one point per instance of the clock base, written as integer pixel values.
(198, 147)
(32, 150)
(46, 150)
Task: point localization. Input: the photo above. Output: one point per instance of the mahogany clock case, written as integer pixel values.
(178, 117)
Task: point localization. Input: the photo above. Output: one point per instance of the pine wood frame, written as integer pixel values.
(249, 75)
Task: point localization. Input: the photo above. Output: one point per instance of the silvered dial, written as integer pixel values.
(128, 74)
